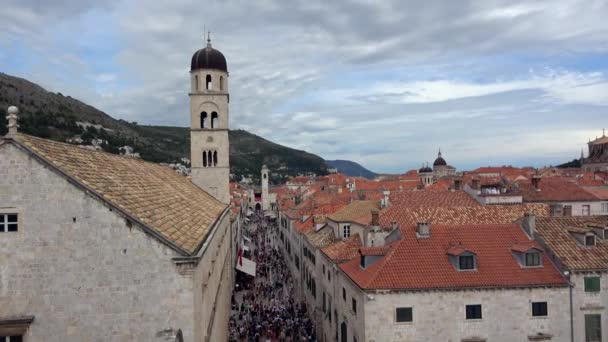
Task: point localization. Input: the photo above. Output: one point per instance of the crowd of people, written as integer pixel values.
(263, 307)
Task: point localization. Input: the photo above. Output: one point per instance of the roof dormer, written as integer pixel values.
(527, 255)
(584, 236)
(462, 259)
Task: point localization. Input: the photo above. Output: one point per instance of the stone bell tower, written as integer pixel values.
(265, 197)
(209, 143)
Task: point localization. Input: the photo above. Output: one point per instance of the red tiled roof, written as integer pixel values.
(458, 250)
(555, 232)
(424, 263)
(344, 250)
(430, 198)
(554, 189)
(600, 192)
(522, 247)
(374, 251)
(495, 214)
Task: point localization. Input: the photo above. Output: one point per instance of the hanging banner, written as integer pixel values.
(245, 265)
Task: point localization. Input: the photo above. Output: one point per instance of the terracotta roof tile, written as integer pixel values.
(156, 195)
(433, 198)
(554, 189)
(556, 234)
(357, 211)
(495, 214)
(414, 263)
(344, 250)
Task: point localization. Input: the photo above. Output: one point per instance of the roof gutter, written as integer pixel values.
(147, 229)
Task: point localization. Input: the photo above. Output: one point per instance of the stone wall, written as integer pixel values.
(440, 315)
(88, 275)
(588, 303)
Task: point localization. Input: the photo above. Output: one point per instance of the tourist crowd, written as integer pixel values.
(263, 307)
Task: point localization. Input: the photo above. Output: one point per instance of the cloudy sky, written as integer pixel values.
(384, 83)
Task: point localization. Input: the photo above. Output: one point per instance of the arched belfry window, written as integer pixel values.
(209, 158)
(196, 82)
(204, 158)
(222, 83)
(214, 158)
(208, 82)
(215, 120)
(203, 119)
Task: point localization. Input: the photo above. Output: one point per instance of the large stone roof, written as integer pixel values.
(556, 233)
(176, 210)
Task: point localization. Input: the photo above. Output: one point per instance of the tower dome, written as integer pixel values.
(208, 58)
(439, 161)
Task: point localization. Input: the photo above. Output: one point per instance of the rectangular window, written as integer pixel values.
(466, 262)
(593, 328)
(586, 210)
(533, 259)
(344, 294)
(567, 210)
(605, 207)
(354, 305)
(592, 284)
(590, 240)
(8, 223)
(346, 231)
(403, 315)
(328, 276)
(324, 303)
(473, 311)
(539, 309)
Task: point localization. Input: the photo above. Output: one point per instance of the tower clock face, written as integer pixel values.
(209, 139)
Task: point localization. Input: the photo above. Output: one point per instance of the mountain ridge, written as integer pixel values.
(63, 118)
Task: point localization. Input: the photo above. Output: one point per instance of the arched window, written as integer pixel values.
(209, 158)
(204, 158)
(214, 120)
(214, 158)
(222, 83)
(203, 119)
(196, 82)
(208, 82)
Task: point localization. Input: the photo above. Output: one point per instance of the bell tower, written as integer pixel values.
(265, 198)
(209, 143)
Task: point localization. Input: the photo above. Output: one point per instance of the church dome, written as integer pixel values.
(439, 162)
(425, 169)
(208, 58)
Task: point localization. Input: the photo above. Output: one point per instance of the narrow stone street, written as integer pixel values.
(263, 308)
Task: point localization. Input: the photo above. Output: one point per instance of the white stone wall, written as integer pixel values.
(78, 268)
(440, 315)
(586, 303)
(86, 276)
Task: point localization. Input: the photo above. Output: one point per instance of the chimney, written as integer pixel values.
(423, 230)
(536, 182)
(529, 224)
(457, 183)
(375, 217)
(385, 200)
(11, 117)
(475, 183)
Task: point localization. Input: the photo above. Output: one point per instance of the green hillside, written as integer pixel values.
(55, 116)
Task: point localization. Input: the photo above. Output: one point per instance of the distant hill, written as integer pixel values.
(572, 163)
(59, 117)
(350, 168)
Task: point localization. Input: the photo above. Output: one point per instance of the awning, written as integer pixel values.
(246, 266)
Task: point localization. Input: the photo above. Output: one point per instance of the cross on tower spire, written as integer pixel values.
(208, 38)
